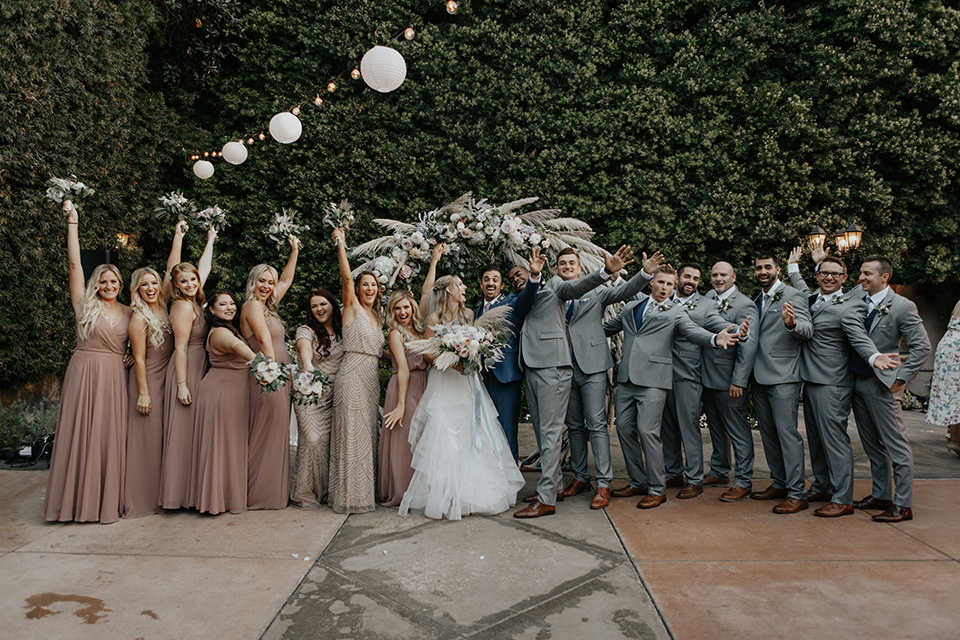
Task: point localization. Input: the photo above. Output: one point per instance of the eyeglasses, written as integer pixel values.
(831, 274)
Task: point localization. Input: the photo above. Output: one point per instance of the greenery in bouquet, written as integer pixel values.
(340, 216)
(307, 387)
(210, 217)
(283, 226)
(269, 373)
(474, 347)
(175, 204)
(60, 189)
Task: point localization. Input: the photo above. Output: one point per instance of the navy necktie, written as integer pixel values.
(871, 317)
(638, 313)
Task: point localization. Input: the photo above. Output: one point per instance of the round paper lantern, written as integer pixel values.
(234, 153)
(203, 169)
(285, 127)
(383, 69)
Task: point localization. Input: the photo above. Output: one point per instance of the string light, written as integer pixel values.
(295, 111)
(318, 101)
(452, 7)
(355, 74)
(249, 140)
(262, 136)
(206, 154)
(331, 86)
(408, 33)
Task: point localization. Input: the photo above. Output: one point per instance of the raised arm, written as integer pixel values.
(349, 295)
(181, 319)
(286, 276)
(222, 340)
(526, 298)
(206, 258)
(431, 278)
(77, 287)
(255, 314)
(137, 332)
(395, 418)
(173, 259)
(793, 271)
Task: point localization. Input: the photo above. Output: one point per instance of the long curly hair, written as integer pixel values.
(416, 322)
(155, 331)
(91, 305)
(335, 316)
(198, 300)
(449, 308)
(271, 303)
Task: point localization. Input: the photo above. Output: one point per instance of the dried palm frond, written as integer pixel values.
(456, 205)
(395, 225)
(516, 204)
(377, 245)
(540, 216)
(495, 320)
(568, 225)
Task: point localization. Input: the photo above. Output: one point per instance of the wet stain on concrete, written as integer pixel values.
(92, 611)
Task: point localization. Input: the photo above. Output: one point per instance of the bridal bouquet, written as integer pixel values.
(60, 189)
(340, 216)
(284, 226)
(269, 373)
(210, 217)
(307, 387)
(475, 347)
(174, 204)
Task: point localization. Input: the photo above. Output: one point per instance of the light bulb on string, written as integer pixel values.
(355, 74)
(408, 33)
(262, 136)
(249, 140)
(452, 7)
(331, 86)
(206, 154)
(318, 101)
(295, 111)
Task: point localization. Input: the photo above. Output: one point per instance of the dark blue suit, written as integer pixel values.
(504, 382)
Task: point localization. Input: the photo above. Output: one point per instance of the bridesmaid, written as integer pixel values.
(320, 347)
(269, 459)
(403, 393)
(186, 368)
(223, 414)
(356, 392)
(151, 342)
(87, 465)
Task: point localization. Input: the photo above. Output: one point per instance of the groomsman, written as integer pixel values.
(681, 416)
(590, 354)
(726, 373)
(504, 382)
(646, 375)
(838, 330)
(545, 358)
(878, 394)
(783, 322)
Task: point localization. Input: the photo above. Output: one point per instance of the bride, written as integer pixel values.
(462, 462)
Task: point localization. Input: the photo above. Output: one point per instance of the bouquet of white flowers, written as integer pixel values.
(475, 347)
(60, 189)
(340, 216)
(307, 387)
(210, 217)
(269, 373)
(283, 226)
(174, 204)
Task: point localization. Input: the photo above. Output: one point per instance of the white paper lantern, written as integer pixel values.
(383, 69)
(203, 169)
(234, 153)
(285, 127)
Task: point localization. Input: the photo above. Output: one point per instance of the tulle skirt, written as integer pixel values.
(462, 462)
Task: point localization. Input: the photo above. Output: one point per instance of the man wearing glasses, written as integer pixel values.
(838, 326)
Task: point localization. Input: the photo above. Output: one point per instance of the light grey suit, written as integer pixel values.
(586, 411)
(545, 359)
(776, 387)
(726, 416)
(838, 326)
(681, 416)
(643, 380)
(878, 412)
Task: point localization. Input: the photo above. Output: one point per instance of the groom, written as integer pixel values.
(545, 358)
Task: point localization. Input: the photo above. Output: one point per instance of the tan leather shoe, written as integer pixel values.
(690, 491)
(894, 514)
(575, 488)
(601, 498)
(628, 492)
(650, 501)
(675, 482)
(791, 505)
(735, 494)
(873, 503)
(536, 510)
(833, 510)
(770, 493)
(709, 480)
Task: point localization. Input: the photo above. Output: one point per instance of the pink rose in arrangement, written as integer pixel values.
(406, 272)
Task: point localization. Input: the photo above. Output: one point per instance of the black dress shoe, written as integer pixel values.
(873, 503)
(894, 514)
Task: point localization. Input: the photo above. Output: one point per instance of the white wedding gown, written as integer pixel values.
(461, 460)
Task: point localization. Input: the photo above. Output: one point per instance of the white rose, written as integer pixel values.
(454, 217)
(534, 239)
(406, 244)
(262, 367)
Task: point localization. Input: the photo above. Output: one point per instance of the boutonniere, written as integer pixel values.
(665, 306)
(691, 305)
(883, 309)
(777, 295)
(841, 300)
(725, 305)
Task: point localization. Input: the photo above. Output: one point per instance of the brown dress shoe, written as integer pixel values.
(650, 501)
(575, 488)
(834, 510)
(536, 510)
(601, 498)
(690, 491)
(894, 514)
(735, 494)
(709, 480)
(770, 493)
(873, 503)
(791, 505)
(628, 492)
(675, 483)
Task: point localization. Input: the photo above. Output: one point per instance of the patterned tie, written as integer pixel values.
(817, 303)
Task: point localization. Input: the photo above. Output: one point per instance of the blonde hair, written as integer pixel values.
(196, 301)
(270, 304)
(448, 308)
(416, 322)
(92, 305)
(155, 330)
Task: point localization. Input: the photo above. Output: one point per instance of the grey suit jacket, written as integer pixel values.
(897, 318)
(778, 350)
(648, 353)
(585, 327)
(723, 367)
(686, 354)
(837, 326)
(543, 337)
